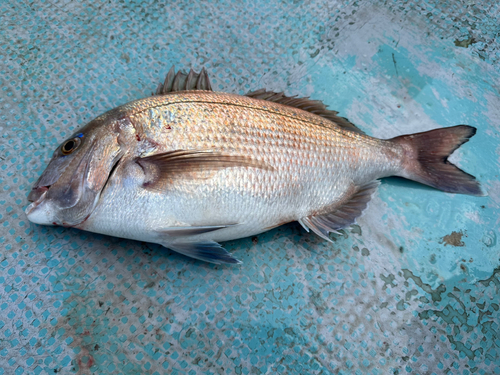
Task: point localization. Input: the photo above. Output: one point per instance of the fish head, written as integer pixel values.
(69, 188)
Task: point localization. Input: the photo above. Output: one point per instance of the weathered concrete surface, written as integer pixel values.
(413, 288)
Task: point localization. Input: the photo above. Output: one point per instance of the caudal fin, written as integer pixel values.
(426, 159)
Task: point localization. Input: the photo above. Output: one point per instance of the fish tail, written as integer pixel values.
(426, 159)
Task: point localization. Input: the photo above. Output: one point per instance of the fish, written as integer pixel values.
(189, 168)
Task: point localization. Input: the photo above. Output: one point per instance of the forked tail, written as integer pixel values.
(426, 159)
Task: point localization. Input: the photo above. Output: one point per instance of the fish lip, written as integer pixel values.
(37, 202)
(37, 192)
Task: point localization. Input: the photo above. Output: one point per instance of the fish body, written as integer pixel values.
(190, 168)
(303, 165)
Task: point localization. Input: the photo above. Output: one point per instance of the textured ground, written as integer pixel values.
(413, 289)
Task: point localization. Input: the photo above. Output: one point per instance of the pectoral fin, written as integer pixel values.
(343, 215)
(208, 251)
(163, 168)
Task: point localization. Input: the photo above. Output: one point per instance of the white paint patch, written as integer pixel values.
(474, 216)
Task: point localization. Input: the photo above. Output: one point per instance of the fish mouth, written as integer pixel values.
(37, 196)
(31, 209)
(37, 192)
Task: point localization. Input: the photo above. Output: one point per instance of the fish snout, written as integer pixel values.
(40, 211)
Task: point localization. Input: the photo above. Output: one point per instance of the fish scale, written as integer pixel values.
(189, 169)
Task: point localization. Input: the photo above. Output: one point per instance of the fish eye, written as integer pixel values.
(70, 145)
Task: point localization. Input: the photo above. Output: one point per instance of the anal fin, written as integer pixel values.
(343, 215)
(208, 251)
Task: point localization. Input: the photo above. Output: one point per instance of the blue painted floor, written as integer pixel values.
(413, 288)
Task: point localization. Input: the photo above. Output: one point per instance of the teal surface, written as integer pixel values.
(413, 288)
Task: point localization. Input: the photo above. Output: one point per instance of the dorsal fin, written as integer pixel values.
(314, 106)
(183, 82)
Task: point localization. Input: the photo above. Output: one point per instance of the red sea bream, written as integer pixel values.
(189, 168)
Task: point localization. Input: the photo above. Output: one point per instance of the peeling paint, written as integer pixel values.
(453, 239)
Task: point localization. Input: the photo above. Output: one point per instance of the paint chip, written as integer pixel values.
(453, 239)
